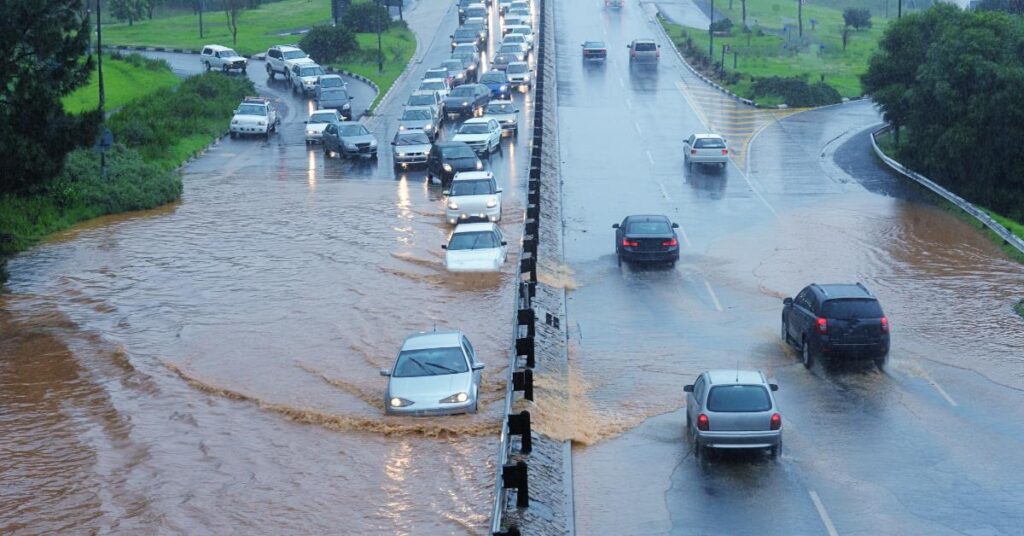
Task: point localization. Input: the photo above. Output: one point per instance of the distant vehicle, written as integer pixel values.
(475, 247)
(483, 134)
(522, 14)
(519, 5)
(518, 50)
(338, 99)
(222, 58)
(280, 59)
(646, 238)
(440, 85)
(465, 48)
(435, 373)
(440, 73)
(410, 148)
(318, 121)
(476, 11)
(473, 195)
(432, 99)
(733, 409)
(643, 51)
(463, 4)
(594, 51)
(464, 36)
(497, 82)
(478, 24)
(503, 5)
(304, 76)
(502, 61)
(328, 81)
(613, 3)
(523, 30)
(420, 118)
(467, 99)
(505, 113)
(838, 320)
(456, 70)
(471, 61)
(512, 19)
(448, 158)
(520, 39)
(254, 116)
(519, 75)
(705, 149)
(349, 139)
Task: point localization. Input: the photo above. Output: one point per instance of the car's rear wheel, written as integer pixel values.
(806, 355)
(619, 258)
(224, 68)
(881, 362)
(776, 451)
(270, 72)
(207, 64)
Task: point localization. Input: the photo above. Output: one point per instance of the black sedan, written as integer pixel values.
(646, 238)
(467, 99)
(450, 157)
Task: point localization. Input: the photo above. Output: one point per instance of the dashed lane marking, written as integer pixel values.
(714, 298)
(637, 127)
(650, 158)
(823, 514)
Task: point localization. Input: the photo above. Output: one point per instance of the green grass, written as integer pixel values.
(398, 44)
(1019, 308)
(1014, 226)
(123, 82)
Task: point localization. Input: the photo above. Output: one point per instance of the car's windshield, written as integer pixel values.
(516, 68)
(522, 30)
(501, 108)
(433, 86)
(852, 308)
(458, 151)
(476, 12)
(430, 362)
(452, 65)
(504, 58)
(463, 91)
(473, 240)
(352, 129)
(645, 47)
(331, 81)
(313, 70)
(436, 73)
(474, 128)
(510, 48)
(228, 53)
(739, 398)
(294, 54)
(416, 137)
(323, 118)
(493, 78)
(473, 187)
(334, 94)
(415, 115)
(465, 49)
(593, 44)
(421, 100)
(514, 38)
(252, 109)
(709, 143)
(649, 227)
(468, 58)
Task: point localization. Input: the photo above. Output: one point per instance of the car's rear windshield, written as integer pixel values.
(463, 91)
(852, 308)
(466, 33)
(452, 65)
(500, 108)
(432, 85)
(352, 129)
(521, 30)
(458, 151)
(516, 68)
(473, 187)
(430, 362)
(593, 44)
(436, 73)
(709, 143)
(473, 240)
(645, 47)
(252, 109)
(511, 48)
(649, 227)
(493, 78)
(737, 398)
(421, 100)
(416, 137)
(331, 81)
(415, 115)
(476, 12)
(474, 128)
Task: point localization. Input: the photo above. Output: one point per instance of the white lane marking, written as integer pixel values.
(664, 192)
(714, 298)
(823, 514)
(939, 388)
(685, 238)
(629, 103)
(650, 158)
(637, 127)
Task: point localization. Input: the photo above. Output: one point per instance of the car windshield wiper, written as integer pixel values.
(420, 364)
(442, 367)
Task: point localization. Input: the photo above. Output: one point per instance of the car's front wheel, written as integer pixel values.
(806, 355)
(785, 332)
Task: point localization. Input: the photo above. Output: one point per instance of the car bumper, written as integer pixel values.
(248, 129)
(459, 216)
(696, 159)
(740, 440)
(420, 410)
(509, 127)
(410, 159)
(865, 351)
(650, 256)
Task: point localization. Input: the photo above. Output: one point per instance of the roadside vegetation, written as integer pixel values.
(1019, 308)
(125, 78)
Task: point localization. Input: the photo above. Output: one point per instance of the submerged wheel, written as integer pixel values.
(806, 355)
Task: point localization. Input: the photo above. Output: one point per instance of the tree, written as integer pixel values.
(327, 43)
(361, 17)
(129, 10)
(743, 6)
(44, 42)
(858, 19)
(1009, 6)
(233, 8)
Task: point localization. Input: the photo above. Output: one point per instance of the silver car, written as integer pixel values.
(473, 194)
(410, 148)
(435, 373)
(505, 113)
(705, 149)
(420, 118)
(733, 409)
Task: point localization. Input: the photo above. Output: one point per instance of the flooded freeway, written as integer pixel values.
(212, 366)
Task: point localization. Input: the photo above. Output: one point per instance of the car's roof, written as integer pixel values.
(496, 101)
(472, 175)
(327, 111)
(217, 47)
(330, 76)
(833, 291)
(442, 80)
(593, 43)
(474, 227)
(735, 376)
(643, 40)
(305, 62)
(286, 48)
(432, 339)
(430, 92)
(647, 217)
(707, 135)
(478, 120)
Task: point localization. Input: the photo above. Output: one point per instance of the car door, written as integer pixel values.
(471, 354)
(330, 138)
(693, 398)
(801, 314)
(501, 244)
(495, 132)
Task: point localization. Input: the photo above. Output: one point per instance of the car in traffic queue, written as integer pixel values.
(467, 36)
(502, 61)
(518, 50)
(519, 39)
(467, 100)
(410, 148)
(519, 75)
(471, 62)
(483, 134)
(420, 118)
(254, 116)
(643, 51)
(510, 20)
(450, 157)
(475, 247)
(435, 373)
(442, 73)
(521, 5)
(519, 13)
(476, 11)
(521, 29)
(705, 149)
(456, 70)
(318, 121)
(336, 98)
(478, 24)
(594, 51)
(505, 113)
(838, 321)
(439, 85)
(462, 5)
(304, 76)
(432, 99)
(646, 238)
(328, 81)
(348, 140)
(472, 195)
(222, 59)
(497, 82)
(280, 59)
(733, 409)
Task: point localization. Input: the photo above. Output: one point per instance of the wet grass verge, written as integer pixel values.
(398, 44)
(125, 78)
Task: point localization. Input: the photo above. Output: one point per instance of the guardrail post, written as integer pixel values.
(514, 476)
(525, 347)
(520, 425)
(526, 317)
(512, 531)
(522, 380)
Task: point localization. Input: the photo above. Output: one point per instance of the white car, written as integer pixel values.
(254, 116)
(318, 121)
(473, 195)
(705, 149)
(440, 85)
(518, 73)
(475, 247)
(505, 113)
(523, 30)
(304, 76)
(519, 39)
(435, 373)
(221, 58)
(280, 59)
(483, 134)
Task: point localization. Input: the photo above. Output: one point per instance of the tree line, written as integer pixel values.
(950, 84)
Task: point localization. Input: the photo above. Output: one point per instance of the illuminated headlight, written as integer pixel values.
(453, 205)
(479, 164)
(428, 128)
(399, 402)
(373, 143)
(465, 103)
(311, 133)
(504, 87)
(460, 75)
(447, 167)
(307, 82)
(492, 202)
(346, 106)
(401, 153)
(401, 127)
(457, 398)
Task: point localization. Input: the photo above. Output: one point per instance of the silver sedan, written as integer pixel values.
(436, 373)
(733, 409)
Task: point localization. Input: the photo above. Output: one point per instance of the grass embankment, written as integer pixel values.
(125, 78)
(398, 44)
(768, 49)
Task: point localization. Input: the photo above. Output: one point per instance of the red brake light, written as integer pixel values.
(725, 151)
(822, 325)
(885, 325)
(703, 423)
(671, 243)
(630, 243)
(776, 421)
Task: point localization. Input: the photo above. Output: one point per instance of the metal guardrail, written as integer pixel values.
(1008, 237)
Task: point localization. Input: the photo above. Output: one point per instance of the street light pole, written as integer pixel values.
(99, 72)
(711, 34)
(201, 2)
(800, 15)
(899, 9)
(380, 49)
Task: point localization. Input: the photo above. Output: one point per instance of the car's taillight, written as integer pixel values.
(671, 243)
(703, 423)
(776, 421)
(725, 151)
(657, 53)
(885, 325)
(693, 151)
(822, 325)
(630, 243)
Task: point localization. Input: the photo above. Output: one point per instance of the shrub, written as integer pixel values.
(327, 43)
(796, 91)
(857, 18)
(721, 25)
(364, 18)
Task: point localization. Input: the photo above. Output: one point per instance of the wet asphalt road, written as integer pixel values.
(931, 446)
(212, 366)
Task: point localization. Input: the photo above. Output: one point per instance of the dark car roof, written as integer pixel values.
(447, 146)
(647, 217)
(834, 291)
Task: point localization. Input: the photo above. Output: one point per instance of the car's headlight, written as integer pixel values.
(261, 123)
(373, 143)
(504, 87)
(310, 132)
(479, 164)
(453, 205)
(492, 202)
(457, 398)
(428, 128)
(234, 121)
(460, 75)
(400, 153)
(447, 167)
(465, 103)
(397, 402)
(401, 127)
(346, 106)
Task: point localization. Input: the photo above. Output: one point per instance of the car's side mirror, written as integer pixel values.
(688, 388)
(393, 143)
(675, 225)
(307, 122)
(787, 301)
(659, 46)
(773, 386)
(444, 246)
(478, 366)
(385, 372)
(615, 226)
(451, 36)
(504, 243)
(350, 97)
(498, 191)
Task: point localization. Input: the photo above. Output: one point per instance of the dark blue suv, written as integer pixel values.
(840, 320)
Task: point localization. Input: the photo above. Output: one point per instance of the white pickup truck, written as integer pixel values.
(255, 116)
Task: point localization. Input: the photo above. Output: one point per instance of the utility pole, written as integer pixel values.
(201, 2)
(711, 34)
(899, 9)
(800, 15)
(380, 49)
(103, 97)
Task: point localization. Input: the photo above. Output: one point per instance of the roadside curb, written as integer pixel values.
(199, 153)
